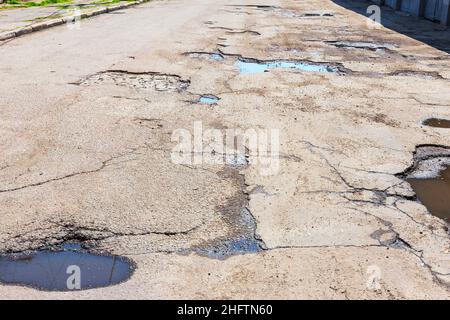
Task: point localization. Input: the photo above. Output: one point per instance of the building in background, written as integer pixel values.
(434, 10)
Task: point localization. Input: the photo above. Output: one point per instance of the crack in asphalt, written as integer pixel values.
(104, 164)
(66, 232)
(381, 195)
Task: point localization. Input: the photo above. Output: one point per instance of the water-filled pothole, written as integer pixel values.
(429, 177)
(208, 99)
(246, 65)
(437, 123)
(71, 268)
(434, 193)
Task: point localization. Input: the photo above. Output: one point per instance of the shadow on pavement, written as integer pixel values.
(420, 29)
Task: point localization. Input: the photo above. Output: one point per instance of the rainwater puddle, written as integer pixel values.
(254, 66)
(437, 123)
(429, 177)
(208, 99)
(434, 193)
(69, 269)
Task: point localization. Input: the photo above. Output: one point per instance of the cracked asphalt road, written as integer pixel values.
(91, 162)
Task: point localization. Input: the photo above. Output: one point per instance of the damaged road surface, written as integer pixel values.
(58, 270)
(350, 201)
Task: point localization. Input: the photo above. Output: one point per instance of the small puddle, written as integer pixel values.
(208, 99)
(437, 123)
(418, 74)
(429, 177)
(254, 66)
(69, 269)
(434, 193)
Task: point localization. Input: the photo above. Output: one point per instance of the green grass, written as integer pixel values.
(35, 4)
(10, 4)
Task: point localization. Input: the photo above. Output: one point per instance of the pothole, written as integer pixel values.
(241, 224)
(213, 56)
(208, 99)
(437, 123)
(294, 14)
(417, 74)
(243, 242)
(247, 65)
(361, 45)
(138, 80)
(429, 176)
(251, 65)
(68, 269)
(286, 12)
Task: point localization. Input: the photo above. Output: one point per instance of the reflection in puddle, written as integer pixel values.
(437, 123)
(434, 193)
(69, 269)
(208, 99)
(255, 66)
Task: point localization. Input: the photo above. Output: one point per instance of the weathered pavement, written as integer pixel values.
(90, 161)
(16, 21)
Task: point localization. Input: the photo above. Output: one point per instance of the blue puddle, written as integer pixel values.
(69, 269)
(208, 99)
(253, 66)
(216, 57)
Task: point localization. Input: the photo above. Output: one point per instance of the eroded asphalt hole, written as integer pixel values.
(241, 237)
(293, 14)
(437, 123)
(251, 65)
(208, 99)
(418, 74)
(214, 56)
(429, 177)
(372, 46)
(285, 12)
(247, 65)
(68, 269)
(244, 240)
(138, 80)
